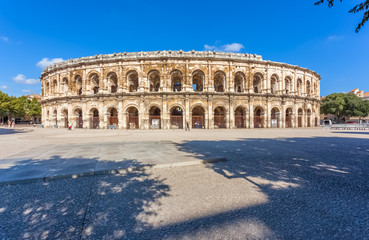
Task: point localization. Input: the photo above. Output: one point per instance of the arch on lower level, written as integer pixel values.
(240, 117)
(198, 117)
(259, 117)
(155, 117)
(219, 117)
(132, 118)
(275, 117)
(176, 117)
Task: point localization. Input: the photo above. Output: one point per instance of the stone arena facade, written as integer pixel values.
(172, 89)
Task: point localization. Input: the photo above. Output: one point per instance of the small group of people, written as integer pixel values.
(11, 124)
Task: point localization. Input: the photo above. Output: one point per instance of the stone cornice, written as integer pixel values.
(161, 94)
(165, 55)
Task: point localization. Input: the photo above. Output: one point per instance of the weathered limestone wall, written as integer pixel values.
(226, 84)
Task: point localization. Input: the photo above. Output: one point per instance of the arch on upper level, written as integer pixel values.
(154, 80)
(239, 81)
(198, 80)
(219, 81)
(176, 79)
(257, 83)
(132, 80)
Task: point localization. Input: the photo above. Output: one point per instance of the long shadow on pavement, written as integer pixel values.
(84, 207)
(316, 187)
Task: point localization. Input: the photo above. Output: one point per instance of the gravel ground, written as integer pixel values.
(305, 185)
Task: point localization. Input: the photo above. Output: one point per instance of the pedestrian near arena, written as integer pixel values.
(9, 124)
(13, 124)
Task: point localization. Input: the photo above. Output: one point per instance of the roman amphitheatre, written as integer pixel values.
(172, 89)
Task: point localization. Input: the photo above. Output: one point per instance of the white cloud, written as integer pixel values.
(335, 37)
(48, 61)
(5, 39)
(20, 78)
(233, 47)
(4, 87)
(27, 91)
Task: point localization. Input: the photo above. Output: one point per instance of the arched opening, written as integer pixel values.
(132, 114)
(219, 118)
(176, 117)
(308, 113)
(154, 80)
(240, 117)
(299, 86)
(308, 88)
(65, 85)
(289, 118)
(198, 79)
(78, 84)
(132, 81)
(219, 81)
(65, 116)
(274, 116)
(299, 117)
(113, 118)
(198, 117)
(94, 82)
(78, 114)
(95, 120)
(113, 82)
(55, 86)
(274, 84)
(176, 78)
(287, 84)
(258, 78)
(154, 118)
(239, 80)
(55, 117)
(47, 89)
(259, 117)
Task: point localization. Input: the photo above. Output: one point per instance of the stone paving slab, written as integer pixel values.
(56, 161)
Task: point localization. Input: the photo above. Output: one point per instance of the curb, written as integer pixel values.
(116, 171)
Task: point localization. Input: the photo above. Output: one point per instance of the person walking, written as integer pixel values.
(13, 124)
(9, 124)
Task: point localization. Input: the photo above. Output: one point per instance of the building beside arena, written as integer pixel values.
(169, 89)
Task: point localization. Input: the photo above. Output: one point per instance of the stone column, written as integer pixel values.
(120, 114)
(268, 115)
(209, 114)
(102, 116)
(164, 115)
(251, 112)
(231, 114)
(187, 114)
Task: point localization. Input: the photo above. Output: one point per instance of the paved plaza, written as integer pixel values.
(275, 184)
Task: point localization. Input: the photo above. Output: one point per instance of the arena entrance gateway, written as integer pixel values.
(132, 114)
(176, 118)
(198, 117)
(154, 118)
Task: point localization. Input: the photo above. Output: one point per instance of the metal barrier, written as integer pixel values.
(350, 126)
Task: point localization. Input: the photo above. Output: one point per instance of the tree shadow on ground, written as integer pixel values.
(5, 131)
(364, 133)
(316, 188)
(90, 207)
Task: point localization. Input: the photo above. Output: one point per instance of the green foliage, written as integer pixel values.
(363, 6)
(341, 104)
(18, 107)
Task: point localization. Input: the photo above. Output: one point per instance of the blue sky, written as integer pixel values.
(295, 32)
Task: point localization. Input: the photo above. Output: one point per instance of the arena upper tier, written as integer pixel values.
(170, 89)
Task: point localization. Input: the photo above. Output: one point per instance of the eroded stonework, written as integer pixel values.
(172, 89)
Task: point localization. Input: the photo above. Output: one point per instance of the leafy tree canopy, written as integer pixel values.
(342, 104)
(18, 107)
(363, 6)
